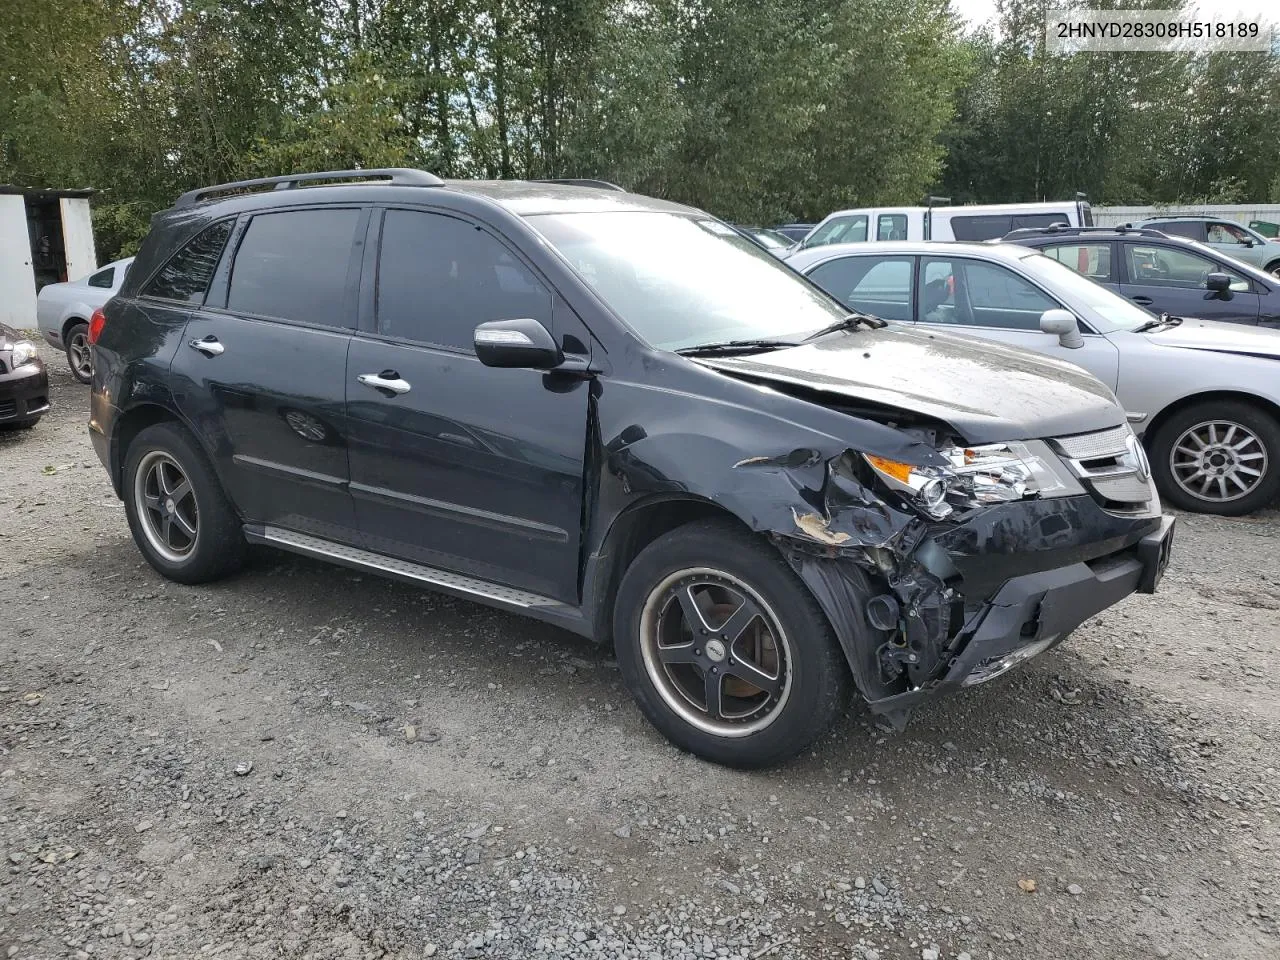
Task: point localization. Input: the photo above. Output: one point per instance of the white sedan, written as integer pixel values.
(63, 311)
(1204, 396)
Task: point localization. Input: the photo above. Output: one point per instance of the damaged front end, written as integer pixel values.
(942, 574)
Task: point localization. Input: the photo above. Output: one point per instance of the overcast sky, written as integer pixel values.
(979, 11)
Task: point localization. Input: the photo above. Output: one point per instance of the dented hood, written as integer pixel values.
(1219, 338)
(986, 391)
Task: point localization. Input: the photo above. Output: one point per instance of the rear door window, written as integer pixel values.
(1180, 228)
(187, 274)
(891, 226)
(880, 286)
(440, 277)
(1092, 260)
(294, 265)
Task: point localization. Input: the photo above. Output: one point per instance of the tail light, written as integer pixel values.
(96, 323)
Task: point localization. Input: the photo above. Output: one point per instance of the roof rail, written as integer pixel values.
(580, 182)
(400, 176)
(1066, 231)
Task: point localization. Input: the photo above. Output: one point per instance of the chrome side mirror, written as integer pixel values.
(1063, 325)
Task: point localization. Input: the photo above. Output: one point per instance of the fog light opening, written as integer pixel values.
(995, 666)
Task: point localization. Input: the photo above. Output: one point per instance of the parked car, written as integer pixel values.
(1165, 274)
(1204, 396)
(24, 383)
(776, 243)
(794, 231)
(1226, 236)
(618, 415)
(966, 222)
(63, 311)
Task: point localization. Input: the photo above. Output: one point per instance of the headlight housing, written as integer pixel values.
(977, 476)
(24, 352)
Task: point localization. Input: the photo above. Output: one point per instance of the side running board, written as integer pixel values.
(445, 580)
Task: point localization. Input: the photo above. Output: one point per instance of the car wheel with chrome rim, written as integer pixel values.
(80, 353)
(178, 514)
(1218, 457)
(724, 649)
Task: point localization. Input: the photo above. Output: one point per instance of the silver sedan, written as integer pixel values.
(1204, 396)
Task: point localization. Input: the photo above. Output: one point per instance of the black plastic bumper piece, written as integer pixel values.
(24, 393)
(1034, 612)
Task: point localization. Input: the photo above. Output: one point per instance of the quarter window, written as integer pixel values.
(979, 294)
(440, 277)
(1167, 267)
(1092, 260)
(880, 286)
(187, 274)
(103, 278)
(294, 266)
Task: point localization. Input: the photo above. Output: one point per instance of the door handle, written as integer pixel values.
(209, 346)
(1145, 301)
(388, 380)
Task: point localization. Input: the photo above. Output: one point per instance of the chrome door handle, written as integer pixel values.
(208, 346)
(392, 384)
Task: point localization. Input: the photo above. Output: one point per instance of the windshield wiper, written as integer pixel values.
(848, 323)
(736, 346)
(1164, 320)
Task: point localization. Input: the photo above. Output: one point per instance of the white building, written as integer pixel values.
(46, 236)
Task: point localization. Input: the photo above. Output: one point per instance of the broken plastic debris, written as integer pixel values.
(818, 528)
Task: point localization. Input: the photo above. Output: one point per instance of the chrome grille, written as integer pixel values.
(1109, 467)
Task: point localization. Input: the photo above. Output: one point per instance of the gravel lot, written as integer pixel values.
(307, 762)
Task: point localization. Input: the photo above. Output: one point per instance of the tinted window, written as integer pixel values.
(1039, 220)
(891, 226)
(103, 278)
(880, 286)
(187, 274)
(1092, 260)
(980, 228)
(294, 266)
(1180, 228)
(1168, 267)
(439, 277)
(850, 229)
(975, 293)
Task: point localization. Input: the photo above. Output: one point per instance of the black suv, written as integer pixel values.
(618, 415)
(1165, 274)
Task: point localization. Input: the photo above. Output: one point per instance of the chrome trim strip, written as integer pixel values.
(354, 556)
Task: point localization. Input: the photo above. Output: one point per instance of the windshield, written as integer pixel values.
(1111, 312)
(681, 281)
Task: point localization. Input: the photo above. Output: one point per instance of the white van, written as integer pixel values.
(972, 222)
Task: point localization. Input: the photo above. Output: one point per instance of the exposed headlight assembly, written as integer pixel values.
(977, 476)
(24, 352)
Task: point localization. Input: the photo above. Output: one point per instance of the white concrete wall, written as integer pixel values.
(1242, 212)
(17, 279)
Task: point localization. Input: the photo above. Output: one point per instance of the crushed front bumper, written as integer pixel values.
(1032, 613)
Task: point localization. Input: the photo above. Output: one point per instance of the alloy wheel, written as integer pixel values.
(166, 506)
(80, 355)
(1218, 461)
(716, 652)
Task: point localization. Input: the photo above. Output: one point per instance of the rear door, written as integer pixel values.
(261, 372)
(991, 301)
(1167, 279)
(461, 466)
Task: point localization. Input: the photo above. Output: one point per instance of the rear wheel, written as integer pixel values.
(180, 517)
(724, 649)
(1218, 457)
(79, 353)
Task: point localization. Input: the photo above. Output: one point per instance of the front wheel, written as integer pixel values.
(1218, 457)
(1273, 269)
(79, 353)
(724, 649)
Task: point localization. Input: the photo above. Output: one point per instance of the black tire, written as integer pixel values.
(813, 686)
(1257, 422)
(1273, 268)
(77, 336)
(218, 546)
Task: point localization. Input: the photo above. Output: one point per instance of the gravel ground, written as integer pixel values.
(306, 762)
